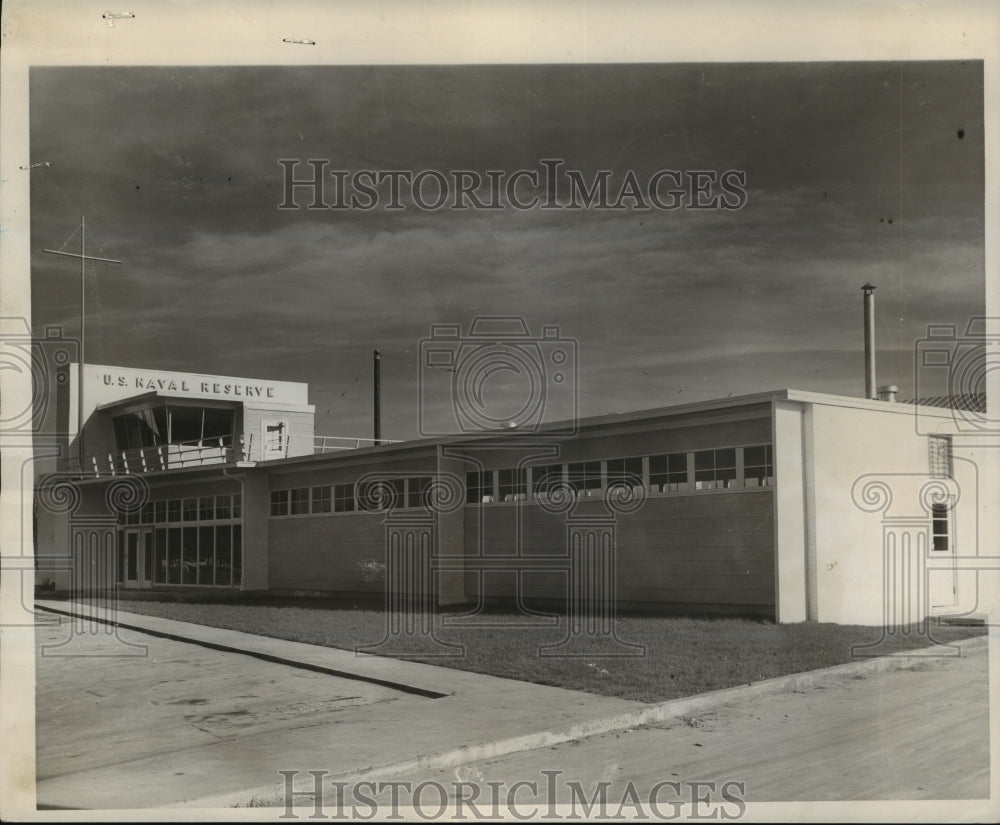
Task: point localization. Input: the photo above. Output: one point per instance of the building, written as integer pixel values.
(786, 504)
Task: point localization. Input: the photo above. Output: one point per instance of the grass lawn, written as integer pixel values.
(683, 656)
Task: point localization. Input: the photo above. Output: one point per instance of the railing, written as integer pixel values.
(332, 443)
(201, 452)
(183, 454)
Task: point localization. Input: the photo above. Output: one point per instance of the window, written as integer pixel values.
(217, 423)
(321, 502)
(174, 555)
(343, 498)
(546, 477)
(758, 466)
(715, 469)
(223, 554)
(189, 556)
(237, 555)
(206, 555)
(174, 509)
(299, 501)
(190, 509)
(512, 484)
(223, 509)
(625, 472)
(417, 491)
(160, 511)
(144, 428)
(479, 486)
(160, 555)
(668, 473)
(585, 476)
(121, 559)
(398, 496)
(237, 505)
(279, 502)
(206, 508)
(384, 494)
(939, 449)
(940, 540)
(185, 424)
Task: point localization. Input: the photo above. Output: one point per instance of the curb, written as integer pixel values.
(271, 795)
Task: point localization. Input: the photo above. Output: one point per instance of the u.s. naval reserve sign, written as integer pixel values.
(107, 384)
(225, 387)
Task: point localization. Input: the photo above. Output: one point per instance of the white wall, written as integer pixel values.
(299, 424)
(789, 516)
(870, 469)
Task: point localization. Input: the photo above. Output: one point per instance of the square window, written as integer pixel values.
(223, 508)
(758, 466)
(546, 477)
(299, 501)
(206, 508)
(585, 476)
(417, 490)
(321, 500)
(715, 469)
(279, 502)
(479, 487)
(625, 472)
(668, 473)
(343, 498)
(513, 484)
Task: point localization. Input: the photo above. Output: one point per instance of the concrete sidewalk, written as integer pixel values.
(206, 725)
(112, 731)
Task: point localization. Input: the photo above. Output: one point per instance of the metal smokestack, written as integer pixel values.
(377, 358)
(869, 301)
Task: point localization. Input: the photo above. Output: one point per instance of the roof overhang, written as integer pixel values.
(155, 398)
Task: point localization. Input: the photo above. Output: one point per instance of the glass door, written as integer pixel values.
(146, 568)
(131, 558)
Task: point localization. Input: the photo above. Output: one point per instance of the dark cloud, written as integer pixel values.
(855, 172)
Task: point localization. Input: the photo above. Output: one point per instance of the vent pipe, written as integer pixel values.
(377, 412)
(888, 392)
(869, 301)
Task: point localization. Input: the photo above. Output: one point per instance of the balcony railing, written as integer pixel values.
(202, 452)
(332, 443)
(184, 454)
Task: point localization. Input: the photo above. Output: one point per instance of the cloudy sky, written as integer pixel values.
(854, 173)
